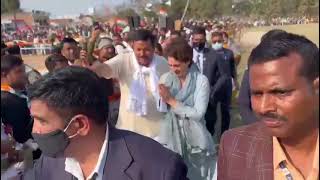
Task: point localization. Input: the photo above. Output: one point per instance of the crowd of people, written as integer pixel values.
(143, 104)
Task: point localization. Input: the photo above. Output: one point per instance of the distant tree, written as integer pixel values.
(290, 7)
(246, 8)
(176, 9)
(273, 8)
(208, 9)
(306, 6)
(10, 6)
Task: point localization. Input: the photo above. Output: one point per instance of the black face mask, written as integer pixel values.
(198, 46)
(53, 144)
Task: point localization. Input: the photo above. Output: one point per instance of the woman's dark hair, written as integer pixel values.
(159, 48)
(180, 50)
(199, 30)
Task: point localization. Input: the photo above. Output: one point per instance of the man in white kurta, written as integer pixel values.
(123, 67)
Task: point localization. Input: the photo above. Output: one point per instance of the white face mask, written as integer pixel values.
(217, 46)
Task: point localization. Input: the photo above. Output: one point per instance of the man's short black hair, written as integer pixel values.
(14, 50)
(8, 62)
(216, 33)
(128, 36)
(71, 91)
(199, 30)
(67, 40)
(144, 35)
(283, 45)
(272, 34)
(52, 60)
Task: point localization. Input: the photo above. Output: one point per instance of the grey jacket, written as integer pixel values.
(130, 157)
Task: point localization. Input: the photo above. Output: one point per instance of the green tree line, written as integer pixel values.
(246, 8)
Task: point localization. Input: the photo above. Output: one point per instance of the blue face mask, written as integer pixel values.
(217, 46)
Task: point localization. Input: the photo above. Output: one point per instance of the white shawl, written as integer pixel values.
(138, 90)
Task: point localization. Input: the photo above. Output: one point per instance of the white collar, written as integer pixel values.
(153, 64)
(72, 166)
(196, 54)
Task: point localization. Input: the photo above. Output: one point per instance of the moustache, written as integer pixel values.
(272, 116)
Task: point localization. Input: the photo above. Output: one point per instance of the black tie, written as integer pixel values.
(94, 177)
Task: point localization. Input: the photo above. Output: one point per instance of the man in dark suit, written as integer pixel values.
(70, 111)
(215, 70)
(244, 101)
(284, 143)
(224, 95)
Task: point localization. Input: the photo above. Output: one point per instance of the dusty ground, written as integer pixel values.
(36, 62)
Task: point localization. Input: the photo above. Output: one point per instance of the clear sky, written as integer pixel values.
(65, 7)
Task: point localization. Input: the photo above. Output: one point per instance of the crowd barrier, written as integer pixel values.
(37, 50)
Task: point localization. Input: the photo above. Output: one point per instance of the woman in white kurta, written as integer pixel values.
(186, 91)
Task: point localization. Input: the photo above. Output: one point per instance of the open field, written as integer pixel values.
(36, 62)
(251, 38)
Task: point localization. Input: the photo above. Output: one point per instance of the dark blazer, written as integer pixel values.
(15, 112)
(215, 70)
(246, 153)
(228, 56)
(244, 101)
(130, 157)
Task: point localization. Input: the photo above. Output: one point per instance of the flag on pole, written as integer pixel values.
(121, 22)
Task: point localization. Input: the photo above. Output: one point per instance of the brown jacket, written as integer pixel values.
(246, 153)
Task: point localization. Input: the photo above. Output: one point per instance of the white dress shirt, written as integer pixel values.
(198, 59)
(72, 166)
